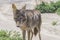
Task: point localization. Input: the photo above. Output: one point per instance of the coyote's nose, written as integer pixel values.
(17, 26)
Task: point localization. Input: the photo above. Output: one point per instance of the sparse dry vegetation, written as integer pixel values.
(5, 35)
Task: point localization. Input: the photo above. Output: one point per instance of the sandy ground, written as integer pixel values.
(48, 31)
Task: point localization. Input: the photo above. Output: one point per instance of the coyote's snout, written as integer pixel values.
(27, 20)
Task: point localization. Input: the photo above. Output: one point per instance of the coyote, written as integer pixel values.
(27, 20)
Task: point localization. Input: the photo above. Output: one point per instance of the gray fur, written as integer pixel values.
(28, 20)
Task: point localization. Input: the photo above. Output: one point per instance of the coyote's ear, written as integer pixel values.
(24, 7)
(14, 7)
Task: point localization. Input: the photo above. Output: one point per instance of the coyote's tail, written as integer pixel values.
(35, 31)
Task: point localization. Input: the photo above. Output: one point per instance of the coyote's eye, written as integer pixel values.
(24, 19)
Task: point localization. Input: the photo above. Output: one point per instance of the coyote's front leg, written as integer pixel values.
(28, 35)
(24, 34)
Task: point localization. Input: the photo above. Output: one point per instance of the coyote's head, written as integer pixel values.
(19, 15)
